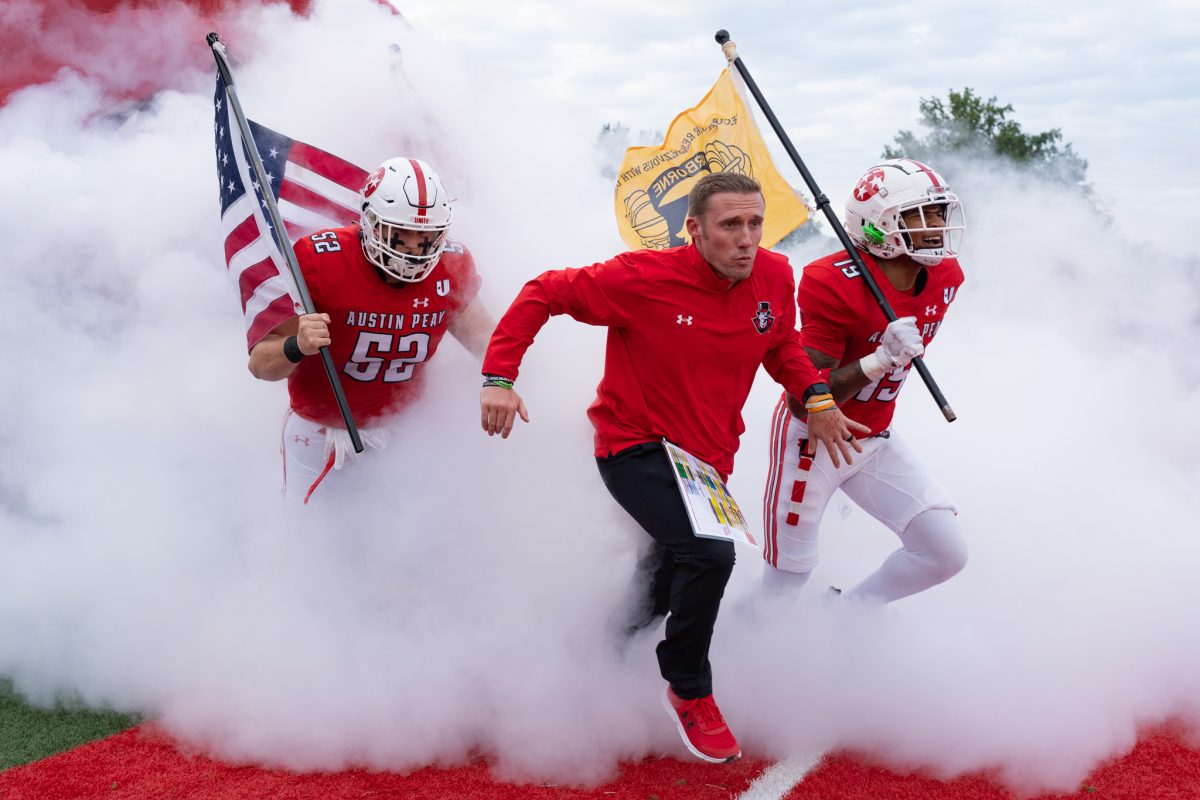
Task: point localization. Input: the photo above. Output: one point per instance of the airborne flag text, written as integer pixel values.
(718, 135)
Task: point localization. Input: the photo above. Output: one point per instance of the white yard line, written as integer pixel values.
(780, 778)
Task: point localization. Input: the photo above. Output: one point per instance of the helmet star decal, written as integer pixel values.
(373, 182)
(868, 185)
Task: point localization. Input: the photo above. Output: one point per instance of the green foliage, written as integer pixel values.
(969, 125)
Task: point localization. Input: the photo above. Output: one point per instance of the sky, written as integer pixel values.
(1123, 88)
(456, 600)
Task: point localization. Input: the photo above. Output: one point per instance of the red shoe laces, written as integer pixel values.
(706, 714)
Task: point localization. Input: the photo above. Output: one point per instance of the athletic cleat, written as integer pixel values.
(702, 728)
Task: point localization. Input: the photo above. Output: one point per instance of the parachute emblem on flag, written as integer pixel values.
(654, 224)
(647, 221)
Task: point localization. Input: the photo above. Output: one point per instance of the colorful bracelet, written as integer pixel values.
(497, 381)
(819, 402)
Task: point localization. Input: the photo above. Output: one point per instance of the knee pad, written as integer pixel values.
(934, 536)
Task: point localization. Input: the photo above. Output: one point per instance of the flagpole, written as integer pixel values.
(280, 233)
(730, 51)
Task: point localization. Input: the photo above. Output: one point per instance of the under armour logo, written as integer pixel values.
(422, 303)
(930, 310)
(298, 439)
(682, 320)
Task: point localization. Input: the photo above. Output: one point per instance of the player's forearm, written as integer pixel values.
(845, 380)
(473, 328)
(268, 361)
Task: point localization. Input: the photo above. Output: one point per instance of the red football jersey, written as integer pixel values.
(840, 318)
(382, 333)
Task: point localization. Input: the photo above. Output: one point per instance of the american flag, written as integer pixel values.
(313, 190)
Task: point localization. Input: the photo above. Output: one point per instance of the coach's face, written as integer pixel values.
(728, 232)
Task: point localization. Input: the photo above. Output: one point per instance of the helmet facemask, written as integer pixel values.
(938, 226)
(885, 194)
(406, 253)
(405, 216)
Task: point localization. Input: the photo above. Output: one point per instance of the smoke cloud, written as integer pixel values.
(455, 602)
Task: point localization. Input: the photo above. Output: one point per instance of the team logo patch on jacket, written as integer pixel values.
(763, 318)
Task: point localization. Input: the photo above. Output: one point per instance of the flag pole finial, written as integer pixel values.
(728, 47)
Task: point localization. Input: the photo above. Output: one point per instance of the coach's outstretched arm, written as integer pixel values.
(592, 295)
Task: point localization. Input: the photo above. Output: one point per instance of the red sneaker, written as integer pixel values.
(702, 728)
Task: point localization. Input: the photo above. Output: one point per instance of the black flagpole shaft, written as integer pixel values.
(823, 203)
(280, 232)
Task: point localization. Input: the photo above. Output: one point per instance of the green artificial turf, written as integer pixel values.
(28, 733)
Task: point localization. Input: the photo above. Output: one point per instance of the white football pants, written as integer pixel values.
(886, 480)
(313, 456)
(306, 464)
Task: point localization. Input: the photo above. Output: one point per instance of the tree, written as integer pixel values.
(969, 125)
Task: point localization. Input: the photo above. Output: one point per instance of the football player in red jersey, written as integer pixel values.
(386, 290)
(688, 328)
(907, 226)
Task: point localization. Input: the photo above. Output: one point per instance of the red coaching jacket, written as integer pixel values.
(683, 346)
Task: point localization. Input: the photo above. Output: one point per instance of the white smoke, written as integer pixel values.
(456, 602)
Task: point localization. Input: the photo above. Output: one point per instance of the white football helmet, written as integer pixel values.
(404, 201)
(884, 193)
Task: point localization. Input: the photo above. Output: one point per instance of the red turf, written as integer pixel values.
(139, 765)
(1159, 768)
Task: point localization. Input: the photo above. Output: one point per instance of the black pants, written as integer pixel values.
(685, 575)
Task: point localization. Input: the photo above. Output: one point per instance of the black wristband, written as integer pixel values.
(816, 388)
(291, 350)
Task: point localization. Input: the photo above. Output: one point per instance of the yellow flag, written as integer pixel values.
(718, 135)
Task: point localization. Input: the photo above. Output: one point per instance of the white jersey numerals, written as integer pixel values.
(371, 351)
(325, 242)
(884, 388)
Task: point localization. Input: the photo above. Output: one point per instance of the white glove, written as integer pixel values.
(899, 345)
(337, 441)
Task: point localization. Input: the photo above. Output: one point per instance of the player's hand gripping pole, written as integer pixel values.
(280, 233)
(730, 50)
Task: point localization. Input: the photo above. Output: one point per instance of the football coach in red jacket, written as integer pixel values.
(687, 330)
